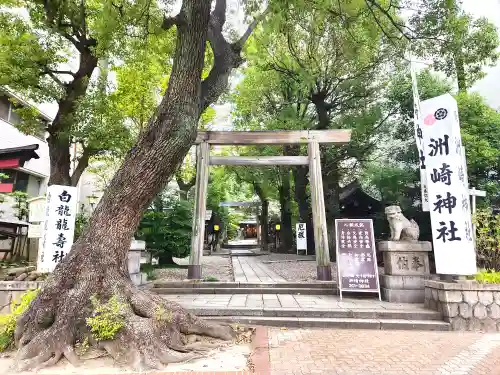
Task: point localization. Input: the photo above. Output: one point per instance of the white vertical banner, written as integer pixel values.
(58, 226)
(417, 121)
(448, 188)
(300, 229)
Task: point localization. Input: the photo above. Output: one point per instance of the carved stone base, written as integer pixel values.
(402, 296)
(406, 267)
(194, 272)
(324, 273)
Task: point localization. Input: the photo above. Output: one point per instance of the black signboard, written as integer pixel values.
(356, 256)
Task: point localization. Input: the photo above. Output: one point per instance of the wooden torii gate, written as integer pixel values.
(310, 137)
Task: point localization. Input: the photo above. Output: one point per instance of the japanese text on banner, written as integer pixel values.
(448, 188)
(58, 227)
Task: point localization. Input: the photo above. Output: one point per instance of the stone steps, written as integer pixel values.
(244, 290)
(239, 284)
(193, 287)
(344, 323)
(327, 313)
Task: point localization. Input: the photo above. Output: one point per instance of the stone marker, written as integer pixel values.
(406, 260)
(134, 261)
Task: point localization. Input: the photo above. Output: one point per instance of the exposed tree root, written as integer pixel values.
(155, 332)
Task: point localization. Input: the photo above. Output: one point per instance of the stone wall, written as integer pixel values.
(467, 305)
(13, 290)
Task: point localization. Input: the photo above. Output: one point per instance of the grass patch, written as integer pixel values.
(210, 278)
(8, 321)
(488, 277)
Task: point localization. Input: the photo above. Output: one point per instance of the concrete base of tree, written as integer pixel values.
(324, 273)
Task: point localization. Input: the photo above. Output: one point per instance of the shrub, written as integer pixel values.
(8, 321)
(81, 221)
(488, 277)
(107, 318)
(210, 278)
(487, 239)
(166, 227)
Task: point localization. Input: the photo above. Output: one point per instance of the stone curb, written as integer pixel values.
(341, 323)
(317, 313)
(260, 355)
(461, 285)
(303, 291)
(237, 284)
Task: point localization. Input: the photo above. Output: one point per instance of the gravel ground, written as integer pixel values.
(287, 266)
(213, 266)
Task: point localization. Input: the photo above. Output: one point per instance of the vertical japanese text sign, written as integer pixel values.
(356, 256)
(300, 229)
(448, 188)
(59, 226)
(417, 121)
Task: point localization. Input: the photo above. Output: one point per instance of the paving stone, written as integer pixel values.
(486, 298)
(465, 310)
(470, 297)
(494, 311)
(480, 311)
(355, 352)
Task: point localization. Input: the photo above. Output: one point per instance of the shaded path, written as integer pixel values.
(251, 269)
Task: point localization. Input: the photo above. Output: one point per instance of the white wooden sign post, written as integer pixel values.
(36, 215)
(448, 188)
(417, 122)
(58, 226)
(301, 232)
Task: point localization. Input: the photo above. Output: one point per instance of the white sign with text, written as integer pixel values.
(446, 170)
(58, 226)
(300, 229)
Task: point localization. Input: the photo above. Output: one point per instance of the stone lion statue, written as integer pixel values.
(402, 229)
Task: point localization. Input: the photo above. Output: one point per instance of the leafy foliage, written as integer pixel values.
(20, 204)
(459, 45)
(487, 239)
(107, 318)
(166, 228)
(81, 221)
(488, 277)
(8, 321)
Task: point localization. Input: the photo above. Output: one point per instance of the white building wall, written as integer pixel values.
(10, 137)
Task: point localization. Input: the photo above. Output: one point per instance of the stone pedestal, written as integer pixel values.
(406, 267)
(134, 261)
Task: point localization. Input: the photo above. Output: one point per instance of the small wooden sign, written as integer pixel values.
(35, 231)
(357, 268)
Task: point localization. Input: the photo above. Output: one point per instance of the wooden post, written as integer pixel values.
(202, 160)
(324, 271)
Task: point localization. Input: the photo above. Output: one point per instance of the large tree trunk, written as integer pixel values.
(286, 211)
(304, 204)
(59, 141)
(97, 263)
(264, 225)
(60, 159)
(263, 217)
(331, 177)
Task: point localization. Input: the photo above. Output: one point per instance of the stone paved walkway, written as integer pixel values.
(285, 301)
(250, 269)
(362, 352)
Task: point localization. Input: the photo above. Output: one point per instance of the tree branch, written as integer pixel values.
(168, 22)
(241, 42)
(83, 163)
(227, 56)
(56, 79)
(184, 186)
